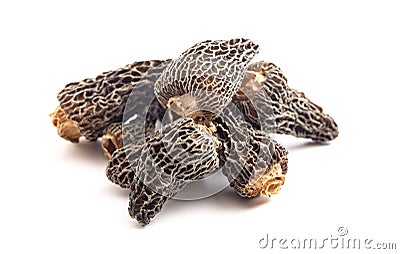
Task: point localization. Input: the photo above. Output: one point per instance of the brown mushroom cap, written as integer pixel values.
(202, 81)
(268, 103)
(93, 104)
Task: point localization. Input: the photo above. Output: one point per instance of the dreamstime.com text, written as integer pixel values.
(339, 241)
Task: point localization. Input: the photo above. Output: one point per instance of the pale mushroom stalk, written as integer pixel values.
(253, 162)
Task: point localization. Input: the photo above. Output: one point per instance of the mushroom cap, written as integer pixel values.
(93, 104)
(202, 81)
(269, 104)
(171, 158)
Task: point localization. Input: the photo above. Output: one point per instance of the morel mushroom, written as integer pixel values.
(91, 105)
(254, 164)
(152, 185)
(268, 103)
(202, 81)
(226, 109)
(178, 153)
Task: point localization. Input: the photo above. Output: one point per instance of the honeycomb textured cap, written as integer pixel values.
(175, 155)
(267, 102)
(205, 77)
(93, 104)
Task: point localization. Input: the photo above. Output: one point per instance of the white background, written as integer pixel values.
(344, 55)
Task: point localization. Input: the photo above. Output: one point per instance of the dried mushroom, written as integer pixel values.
(254, 164)
(204, 78)
(124, 150)
(252, 161)
(91, 105)
(158, 180)
(224, 110)
(266, 101)
(180, 152)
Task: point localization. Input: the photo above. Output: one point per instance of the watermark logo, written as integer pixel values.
(342, 231)
(339, 241)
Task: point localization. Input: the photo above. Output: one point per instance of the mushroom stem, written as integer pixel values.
(66, 128)
(112, 139)
(110, 143)
(270, 183)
